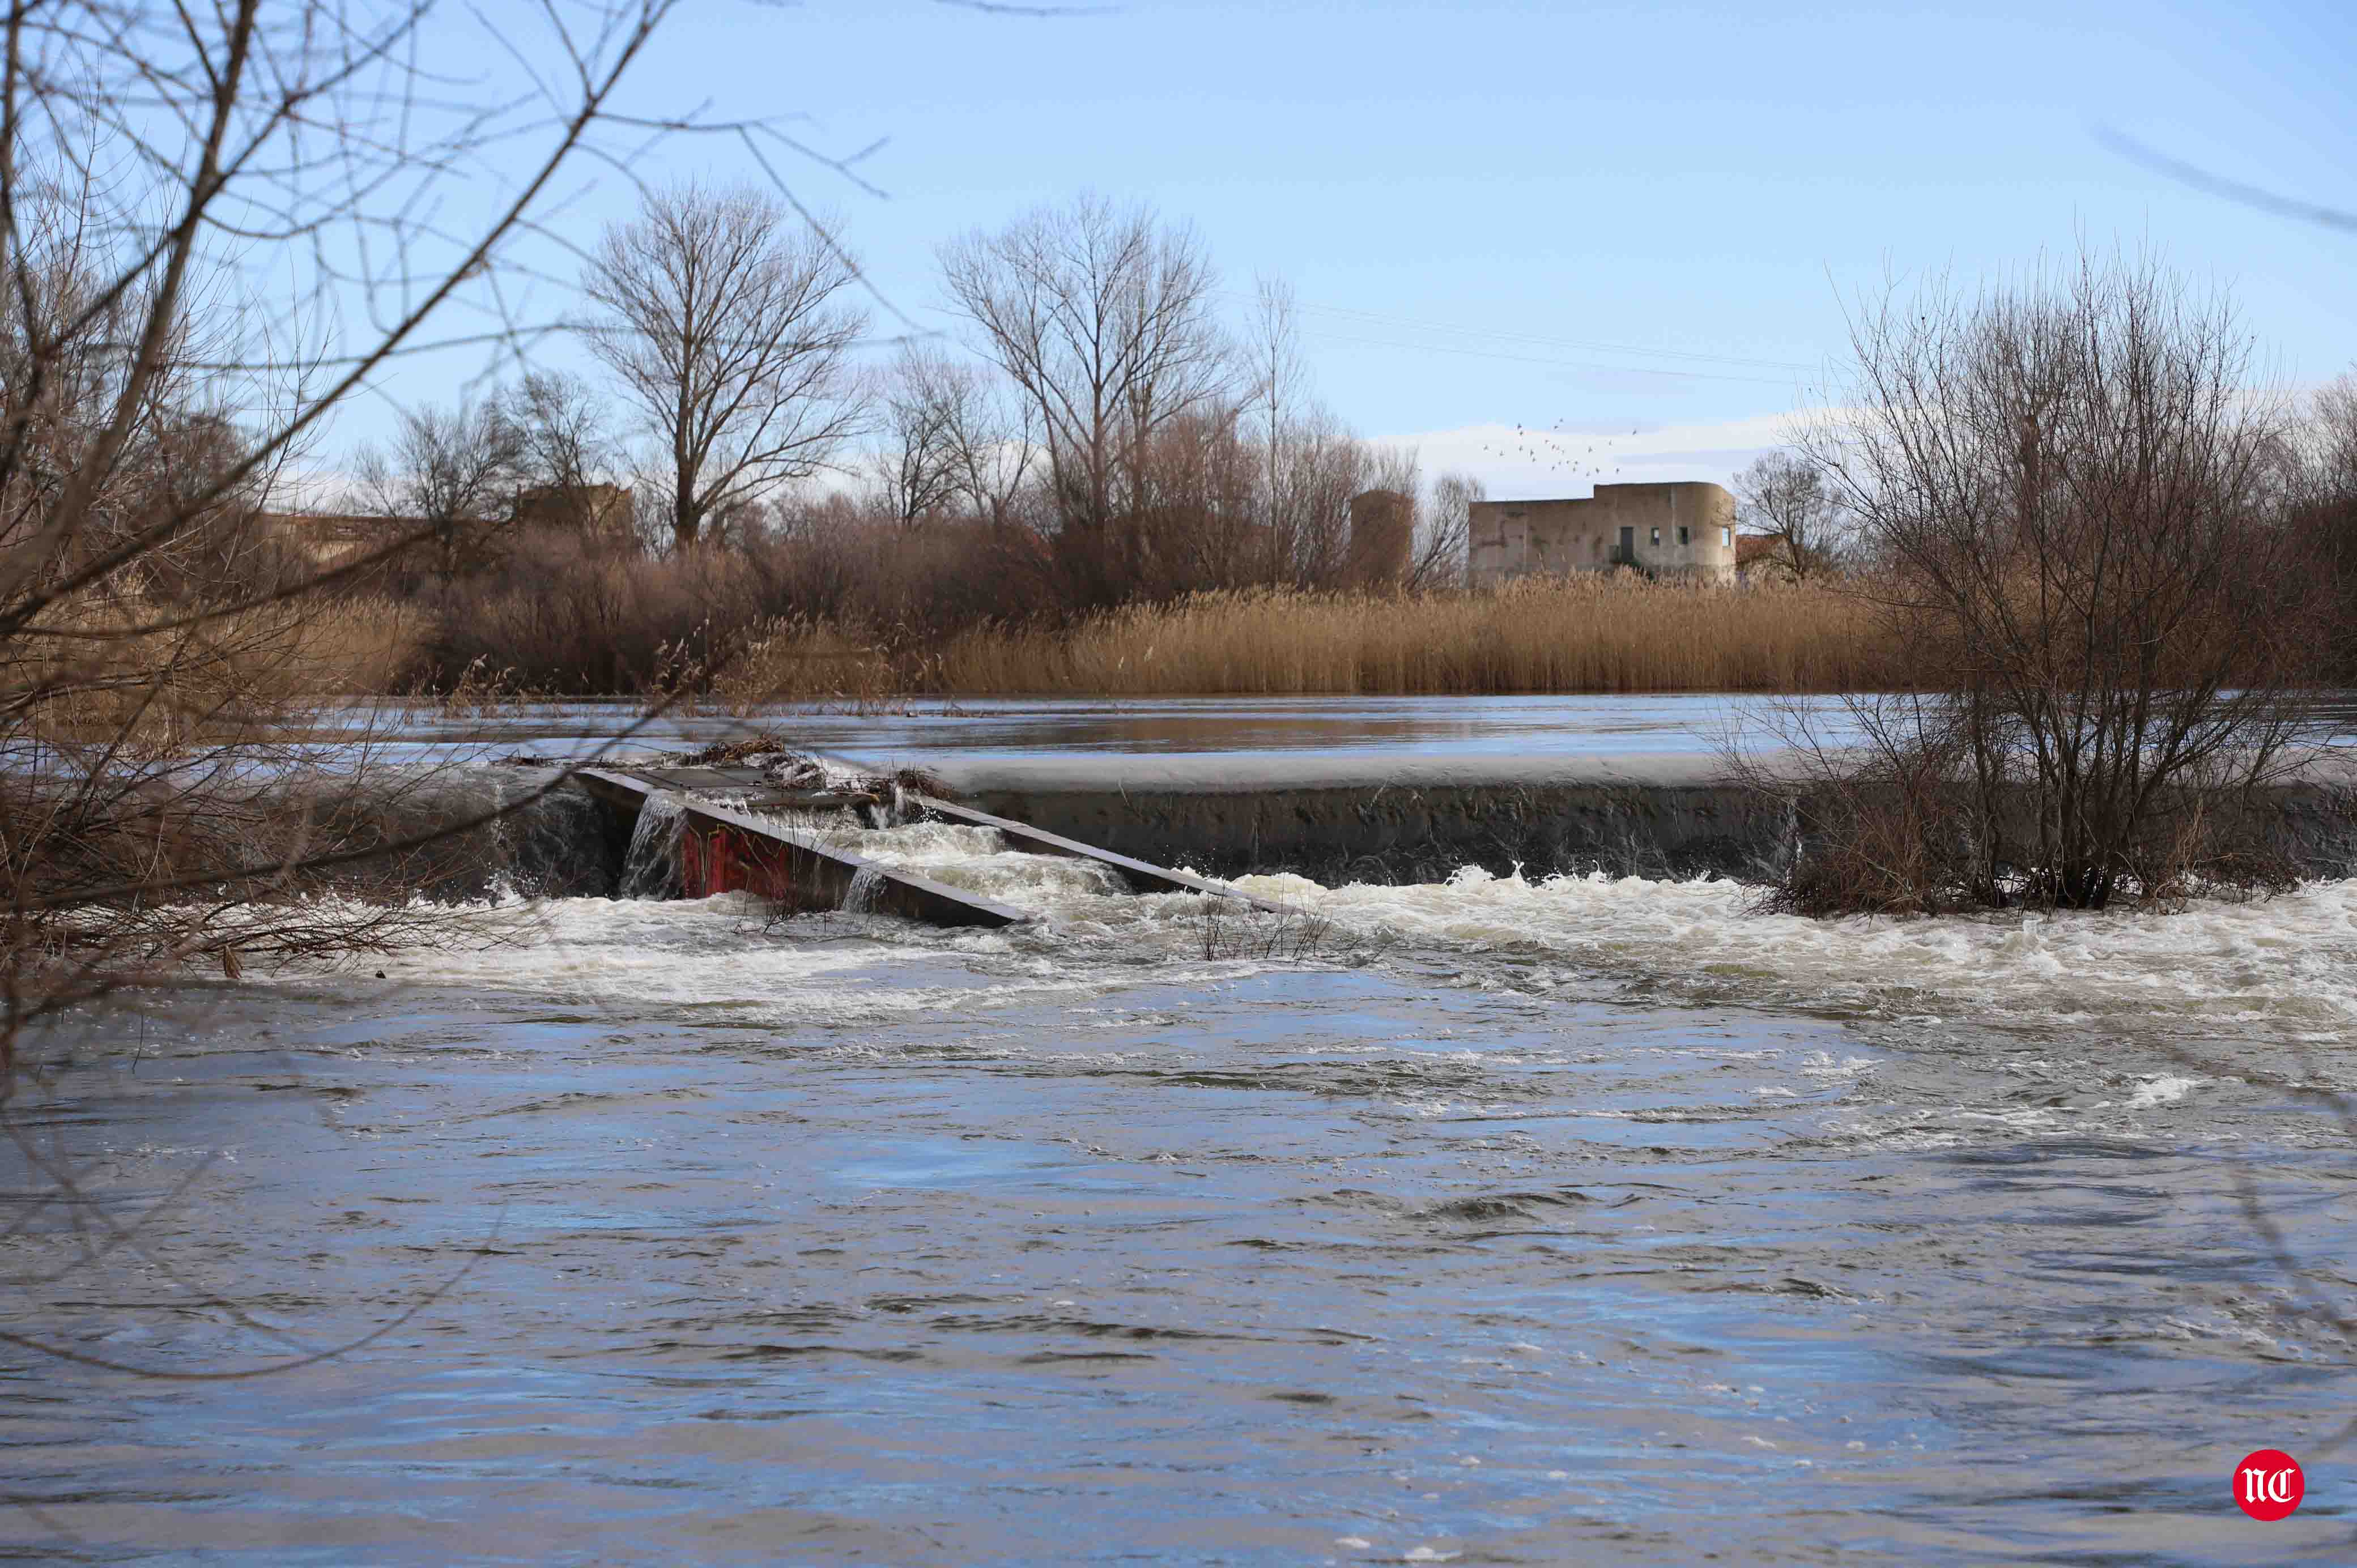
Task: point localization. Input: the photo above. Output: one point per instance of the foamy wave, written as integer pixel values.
(2162, 1091)
(2285, 968)
(2287, 964)
(729, 958)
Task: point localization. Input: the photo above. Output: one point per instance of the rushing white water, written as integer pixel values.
(1494, 1220)
(2282, 968)
(650, 867)
(2285, 966)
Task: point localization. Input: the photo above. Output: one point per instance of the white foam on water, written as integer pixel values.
(975, 860)
(728, 957)
(2162, 1091)
(2285, 966)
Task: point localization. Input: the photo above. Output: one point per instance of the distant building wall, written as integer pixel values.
(604, 510)
(1683, 529)
(1382, 530)
(327, 536)
(592, 508)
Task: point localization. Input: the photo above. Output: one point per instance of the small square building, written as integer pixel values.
(1684, 529)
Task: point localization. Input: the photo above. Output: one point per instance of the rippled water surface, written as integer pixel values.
(1581, 1221)
(979, 728)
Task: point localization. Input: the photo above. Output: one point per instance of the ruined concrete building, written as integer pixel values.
(608, 509)
(602, 512)
(1680, 530)
(1382, 535)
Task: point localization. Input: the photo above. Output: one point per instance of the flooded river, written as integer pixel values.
(1585, 1220)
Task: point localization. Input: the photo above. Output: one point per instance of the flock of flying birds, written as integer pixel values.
(1552, 449)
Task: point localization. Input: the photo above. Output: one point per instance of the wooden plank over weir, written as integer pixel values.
(1141, 875)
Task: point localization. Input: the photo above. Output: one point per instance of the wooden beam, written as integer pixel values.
(1140, 874)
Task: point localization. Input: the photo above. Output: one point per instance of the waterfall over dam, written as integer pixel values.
(1332, 820)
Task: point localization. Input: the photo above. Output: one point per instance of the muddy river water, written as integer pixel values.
(1583, 1221)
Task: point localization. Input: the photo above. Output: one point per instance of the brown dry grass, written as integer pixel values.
(124, 671)
(1581, 634)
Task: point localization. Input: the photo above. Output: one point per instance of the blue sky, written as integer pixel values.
(1635, 219)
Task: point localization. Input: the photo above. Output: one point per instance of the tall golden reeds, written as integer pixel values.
(1577, 634)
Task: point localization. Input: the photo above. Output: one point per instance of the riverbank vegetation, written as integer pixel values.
(701, 625)
(2097, 538)
(209, 226)
(1105, 487)
(1591, 634)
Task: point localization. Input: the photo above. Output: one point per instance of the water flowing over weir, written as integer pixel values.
(650, 867)
(1494, 1218)
(1334, 822)
(802, 865)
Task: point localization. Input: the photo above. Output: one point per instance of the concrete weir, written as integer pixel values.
(1374, 818)
(1414, 819)
(1390, 818)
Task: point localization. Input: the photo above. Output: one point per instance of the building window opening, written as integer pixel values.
(1726, 539)
(1657, 536)
(1682, 538)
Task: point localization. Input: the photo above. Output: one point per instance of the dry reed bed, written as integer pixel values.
(151, 678)
(1579, 635)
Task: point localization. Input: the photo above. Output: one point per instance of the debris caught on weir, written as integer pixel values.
(725, 844)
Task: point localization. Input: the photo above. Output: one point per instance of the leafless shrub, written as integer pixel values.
(2068, 483)
(1229, 930)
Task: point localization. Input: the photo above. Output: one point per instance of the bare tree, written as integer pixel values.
(932, 412)
(996, 451)
(564, 458)
(2334, 424)
(2320, 473)
(1311, 465)
(450, 474)
(2069, 484)
(1104, 320)
(1784, 497)
(217, 223)
(158, 165)
(721, 314)
(1196, 519)
(1443, 529)
(1279, 383)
